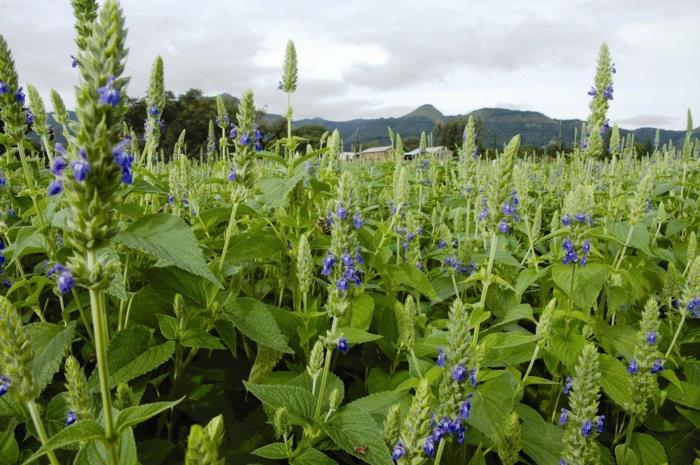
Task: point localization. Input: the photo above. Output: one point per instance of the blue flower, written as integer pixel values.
(586, 246)
(503, 226)
(347, 259)
(651, 337)
(472, 377)
(108, 95)
(441, 358)
(123, 160)
(171, 199)
(342, 345)
(73, 61)
(55, 187)
(3, 181)
(257, 135)
(232, 174)
(441, 244)
(694, 307)
(257, 146)
(342, 213)
(592, 92)
(343, 284)
(580, 217)
(244, 139)
(65, 281)
(459, 373)
(19, 96)
(232, 133)
(71, 418)
(608, 93)
(4, 385)
(466, 407)
(657, 366)
(599, 423)
(357, 220)
(59, 164)
(568, 385)
(633, 367)
(429, 447)
(81, 167)
(153, 110)
(30, 118)
(563, 417)
(3, 88)
(398, 451)
(6, 283)
(587, 428)
(57, 268)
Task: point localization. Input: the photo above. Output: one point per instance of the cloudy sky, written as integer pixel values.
(384, 58)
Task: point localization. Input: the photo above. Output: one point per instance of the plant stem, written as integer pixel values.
(39, 426)
(675, 336)
(630, 429)
(227, 236)
(326, 369)
(532, 363)
(441, 448)
(99, 323)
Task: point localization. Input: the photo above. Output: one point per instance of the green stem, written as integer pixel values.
(99, 323)
(326, 369)
(39, 426)
(675, 336)
(441, 448)
(624, 247)
(630, 429)
(529, 367)
(30, 182)
(227, 236)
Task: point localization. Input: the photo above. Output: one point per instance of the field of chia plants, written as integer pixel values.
(272, 304)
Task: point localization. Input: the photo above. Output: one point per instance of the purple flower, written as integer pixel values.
(71, 418)
(81, 167)
(592, 92)
(347, 259)
(6, 283)
(441, 357)
(472, 377)
(429, 447)
(398, 451)
(257, 135)
(633, 367)
(357, 220)
(232, 133)
(342, 213)
(73, 61)
(441, 244)
(587, 428)
(65, 281)
(30, 118)
(586, 246)
(55, 187)
(4, 385)
(563, 417)
(580, 217)
(57, 268)
(342, 345)
(503, 226)
(568, 385)
(466, 407)
(257, 146)
(651, 337)
(232, 174)
(108, 95)
(657, 366)
(566, 220)
(459, 373)
(19, 96)
(244, 139)
(567, 245)
(171, 199)
(3, 88)
(124, 160)
(60, 148)
(153, 110)
(608, 93)
(694, 307)
(59, 164)
(419, 265)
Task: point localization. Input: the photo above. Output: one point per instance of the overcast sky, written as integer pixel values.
(384, 58)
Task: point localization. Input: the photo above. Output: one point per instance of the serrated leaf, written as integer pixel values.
(541, 440)
(169, 239)
(299, 402)
(197, 338)
(256, 321)
(615, 380)
(132, 416)
(352, 428)
(649, 451)
(358, 336)
(492, 403)
(275, 450)
(311, 456)
(50, 344)
(83, 431)
(265, 361)
(379, 402)
(588, 282)
(9, 450)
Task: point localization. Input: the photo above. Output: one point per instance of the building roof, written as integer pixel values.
(377, 149)
(437, 149)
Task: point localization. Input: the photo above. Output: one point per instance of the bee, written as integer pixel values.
(324, 224)
(361, 450)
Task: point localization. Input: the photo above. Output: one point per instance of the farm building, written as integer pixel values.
(440, 152)
(376, 153)
(347, 156)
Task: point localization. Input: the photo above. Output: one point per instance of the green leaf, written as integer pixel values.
(95, 452)
(83, 431)
(257, 245)
(589, 281)
(615, 380)
(300, 402)
(649, 451)
(379, 402)
(50, 344)
(196, 338)
(503, 349)
(541, 440)
(132, 416)
(311, 456)
(358, 336)
(254, 319)
(170, 240)
(492, 404)
(147, 361)
(351, 428)
(9, 450)
(361, 311)
(275, 450)
(689, 396)
(408, 275)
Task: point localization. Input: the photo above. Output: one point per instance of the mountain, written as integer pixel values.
(498, 126)
(428, 111)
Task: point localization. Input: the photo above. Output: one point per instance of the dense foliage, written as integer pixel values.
(283, 306)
